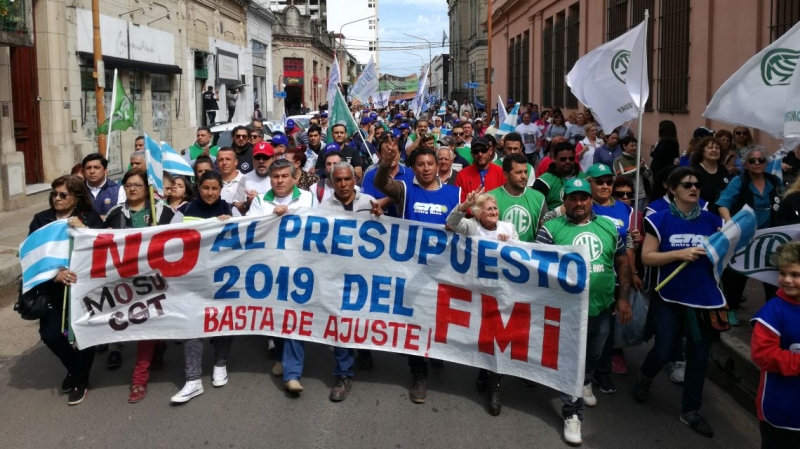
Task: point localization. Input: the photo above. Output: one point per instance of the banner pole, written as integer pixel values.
(111, 116)
(66, 293)
(639, 126)
(672, 275)
(152, 206)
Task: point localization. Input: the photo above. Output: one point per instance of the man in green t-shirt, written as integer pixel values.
(202, 146)
(512, 144)
(519, 205)
(563, 168)
(579, 226)
(414, 140)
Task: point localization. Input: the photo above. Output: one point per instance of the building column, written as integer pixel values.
(12, 163)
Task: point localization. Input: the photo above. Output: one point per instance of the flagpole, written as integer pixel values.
(111, 117)
(152, 205)
(672, 275)
(639, 130)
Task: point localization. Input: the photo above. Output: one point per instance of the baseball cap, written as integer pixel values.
(263, 148)
(404, 125)
(324, 115)
(366, 120)
(290, 123)
(373, 115)
(599, 170)
(480, 142)
(277, 129)
(577, 185)
(279, 139)
(332, 147)
(398, 117)
(701, 132)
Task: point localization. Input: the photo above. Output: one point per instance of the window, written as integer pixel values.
(559, 85)
(673, 82)
(259, 54)
(617, 19)
(370, 3)
(547, 63)
(783, 15)
(373, 45)
(573, 38)
(511, 66)
(315, 68)
(292, 65)
(525, 74)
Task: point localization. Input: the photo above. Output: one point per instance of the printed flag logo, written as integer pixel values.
(619, 64)
(778, 65)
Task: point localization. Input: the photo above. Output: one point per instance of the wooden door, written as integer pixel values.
(25, 96)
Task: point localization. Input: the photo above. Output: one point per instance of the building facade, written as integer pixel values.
(440, 73)
(357, 21)
(468, 48)
(693, 46)
(317, 9)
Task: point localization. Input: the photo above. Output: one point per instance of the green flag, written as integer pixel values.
(341, 113)
(122, 111)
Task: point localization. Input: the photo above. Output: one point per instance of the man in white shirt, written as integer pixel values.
(234, 185)
(258, 180)
(530, 137)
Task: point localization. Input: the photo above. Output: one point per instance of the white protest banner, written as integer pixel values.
(340, 279)
(367, 84)
(754, 261)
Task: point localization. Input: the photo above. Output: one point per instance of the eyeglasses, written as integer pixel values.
(741, 133)
(623, 194)
(567, 158)
(688, 185)
(61, 195)
(254, 136)
(133, 185)
(262, 157)
(240, 136)
(458, 134)
(756, 160)
(479, 150)
(603, 182)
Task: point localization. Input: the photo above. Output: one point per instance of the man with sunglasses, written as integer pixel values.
(243, 148)
(462, 148)
(482, 172)
(425, 199)
(581, 226)
(257, 181)
(562, 169)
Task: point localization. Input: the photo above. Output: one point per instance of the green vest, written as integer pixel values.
(530, 168)
(195, 151)
(556, 185)
(600, 236)
(413, 138)
(522, 211)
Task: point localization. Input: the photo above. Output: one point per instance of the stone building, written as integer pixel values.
(468, 48)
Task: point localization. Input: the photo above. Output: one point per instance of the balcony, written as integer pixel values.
(16, 23)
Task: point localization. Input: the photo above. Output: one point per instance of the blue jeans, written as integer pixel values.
(294, 354)
(596, 335)
(669, 322)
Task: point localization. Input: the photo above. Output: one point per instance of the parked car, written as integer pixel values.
(221, 134)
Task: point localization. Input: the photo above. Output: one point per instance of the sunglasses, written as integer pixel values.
(623, 194)
(756, 160)
(254, 136)
(565, 159)
(240, 136)
(479, 150)
(61, 195)
(688, 185)
(603, 182)
(261, 157)
(458, 134)
(741, 133)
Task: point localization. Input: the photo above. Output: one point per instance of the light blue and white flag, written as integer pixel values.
(43, 253)
(501, 110)
(173, 162)
(333, 81)
(367, 84)
(775, 166)
(442, 109)
(155, 166)
(734, 236)
(510, 123)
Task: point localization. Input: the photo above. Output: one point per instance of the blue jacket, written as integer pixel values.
(606, 156)
(107, 198)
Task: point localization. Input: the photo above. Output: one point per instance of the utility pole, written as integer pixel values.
(100, 77)
(489, 62)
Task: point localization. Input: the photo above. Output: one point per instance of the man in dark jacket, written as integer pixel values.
(105, 192)
(244, 150)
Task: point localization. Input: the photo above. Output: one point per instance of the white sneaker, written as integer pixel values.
(220, 376)
(191, 389)
(677, 371)
(572, 430)
(293, 386)
(588, 397)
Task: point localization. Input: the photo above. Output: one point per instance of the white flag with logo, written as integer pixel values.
(612, 79)
(333, 82)
(756, 94)
(791, 117)
(367, 84)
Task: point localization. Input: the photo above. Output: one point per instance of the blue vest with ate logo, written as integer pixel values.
(781, 394)
(430, 206)
(695, 286)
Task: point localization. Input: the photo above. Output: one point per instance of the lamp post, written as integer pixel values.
(430, 60)
(341, 43)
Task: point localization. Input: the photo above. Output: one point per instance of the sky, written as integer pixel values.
(421, 18)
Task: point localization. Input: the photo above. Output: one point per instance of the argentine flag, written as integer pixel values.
(155, 166)
(510, 123)
(734, 235)
(173, 162)
(43, 254)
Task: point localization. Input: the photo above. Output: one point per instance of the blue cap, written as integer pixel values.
(373, 115)
(290, 123)
(279, 139)
(324, 115)
(398, 117)
(404, 125)
(332, 147)
(366, 120)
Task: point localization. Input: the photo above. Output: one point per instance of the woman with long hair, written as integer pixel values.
(713, 176)
(728, 156)
(302, 179)
(742, 140)
(667, 150)
(585, 149)
(69, 200)
(789, 210)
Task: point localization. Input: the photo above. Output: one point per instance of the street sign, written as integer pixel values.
(473, 85)
(279, 94)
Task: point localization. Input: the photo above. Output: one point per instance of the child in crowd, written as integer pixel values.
(775, 348)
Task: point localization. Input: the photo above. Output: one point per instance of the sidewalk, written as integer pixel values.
(13, 230)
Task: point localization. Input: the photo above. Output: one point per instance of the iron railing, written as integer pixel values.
(673, 82)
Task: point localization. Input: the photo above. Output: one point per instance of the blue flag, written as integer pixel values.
(155, 165)
(43, 254)
(734, 236)
(173, 162)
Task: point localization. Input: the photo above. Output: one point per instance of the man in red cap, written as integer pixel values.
(258, 180)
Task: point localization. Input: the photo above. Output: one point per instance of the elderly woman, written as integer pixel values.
(762, 191)
(687, 306)
(586, 148)
(70, 200)
(136, 212)
(485, 222)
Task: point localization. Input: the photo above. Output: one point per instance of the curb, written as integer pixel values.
(10, 271)
(732, 356)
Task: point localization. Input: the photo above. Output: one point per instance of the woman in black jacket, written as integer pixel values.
(69, 199)
(667, 150)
